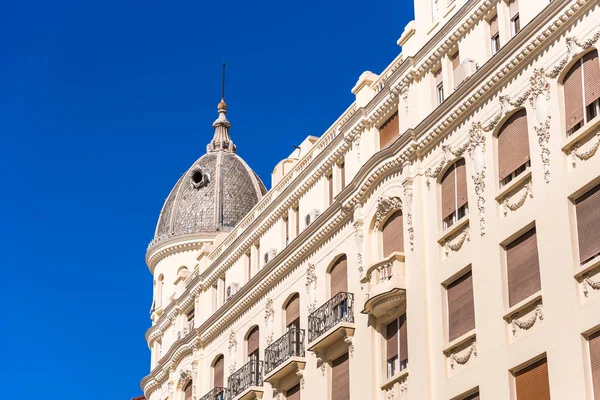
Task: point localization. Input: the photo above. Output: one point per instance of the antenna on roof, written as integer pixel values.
(223, 82)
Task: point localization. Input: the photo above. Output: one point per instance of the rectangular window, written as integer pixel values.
(439, 86)
(190, 319)
(330, 188)
(389, 131)
(396, 346)
(454, 194)
(340, 378)
(594, 343)
(531, 383)
(287, 230)
(343, 174)
(587, 209)
(461, 309)
(494, 34)
(455, 59)
(522, 268)
(297, 214)
(249, 264)
(515, 20)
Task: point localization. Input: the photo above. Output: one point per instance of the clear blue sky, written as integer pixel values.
(103, 105)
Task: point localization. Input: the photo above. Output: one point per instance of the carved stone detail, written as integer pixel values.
(269, 316)
(529, 322)
(479, 182)
(463, 356)
(386, 205)
(543, 134)
(457, 242)
(311, 286)
(507, 205)
(588, 282)
(320, 360)
(232, 350)
(585, 155)
(358, 235)
(184, 376)
(300, 375)
(408, 203)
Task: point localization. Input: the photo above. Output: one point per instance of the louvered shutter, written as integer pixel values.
(253, 341)
(513, 7)
(448, 192)
(494, 26)
(292, 311)
(389, 131)
(393, 234)
(219, 368)
(532, 382)
(461, 310)
(523, 268)
(573, 92)
(591, 74)
(588, 224)
(461, 183)
(339, 276)
(293, 393)
(392, 339)
(513, 144)
(594, 341)
(403, 334)
(340, 376)
(188, 391)
(474, 396)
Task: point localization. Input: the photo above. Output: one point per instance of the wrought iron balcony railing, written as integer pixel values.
(291, 344)
(249, 375)
(217, 393)
(340, 308)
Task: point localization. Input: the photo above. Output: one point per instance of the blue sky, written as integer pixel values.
(103, 105)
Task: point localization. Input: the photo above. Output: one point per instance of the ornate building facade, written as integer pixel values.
(441, 240)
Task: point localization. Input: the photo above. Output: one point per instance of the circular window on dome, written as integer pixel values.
(199, 178)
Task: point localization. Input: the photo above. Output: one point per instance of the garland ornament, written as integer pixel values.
(519, 203)
(587, 281)
(529, 322)
(462, 359)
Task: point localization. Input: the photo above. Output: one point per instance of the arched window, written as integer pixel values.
(513, 147)
(292, 312)
(392, 234)
(160, 286)
(218, 372)
(253, 344)
(454, 194)
(187, 392)
(582, 92)
(338, 276)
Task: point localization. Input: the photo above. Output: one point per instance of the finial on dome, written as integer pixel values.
(221, 140)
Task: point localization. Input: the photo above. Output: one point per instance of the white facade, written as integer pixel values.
(195, 272)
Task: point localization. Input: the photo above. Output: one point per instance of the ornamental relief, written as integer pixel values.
(461, 357)
(527, 321)
(456, 242)
(517, 199)
(269, 316)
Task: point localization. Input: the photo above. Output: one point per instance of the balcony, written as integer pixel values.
(285, 356)
(332, 321)
(247, 382)
(386, 285)
(217, 393)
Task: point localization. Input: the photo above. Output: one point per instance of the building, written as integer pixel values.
(440, 241)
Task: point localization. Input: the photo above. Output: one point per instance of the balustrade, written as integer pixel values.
(291, 344)
(340, 308)
(244, 378)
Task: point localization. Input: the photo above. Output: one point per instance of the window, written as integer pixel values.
(454, 194)
(190, 319)
(461, 310)
(582, 92)
(522, 268)
(594, 343)
(253, 347)
(494, 34)
(587, 209)
(215, 299)
(343, 174)
(389, 131)
(188, 391)
(287, 229)
(531, 383)
(338, 280)
(249, 264)
(340, 378)
(513, 147)
(218, 371)
(330, 188)
(396, 346)
(297, 213)
(292, 313)
(515, 21)
(392, 234)
(455, 59)
(160, 289)
(439, 86)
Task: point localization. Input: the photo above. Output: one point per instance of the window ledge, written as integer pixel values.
(520, 306)
(460, 224)
(581, 133)
(467, 337)
(505, 190)
(450, 8)
(435, 25)
(587, 267)
(396, 378)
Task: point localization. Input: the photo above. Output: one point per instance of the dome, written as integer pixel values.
(216, 192)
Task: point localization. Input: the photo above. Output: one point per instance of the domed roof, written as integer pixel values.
(216, 192)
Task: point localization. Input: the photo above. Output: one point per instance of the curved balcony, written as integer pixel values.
(247, 382)
(285, 356)
(332, 321)
(386, 285)
(217, 393)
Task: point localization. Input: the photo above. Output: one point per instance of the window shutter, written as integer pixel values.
(403, 333)
(339, 276)
(340, 385)
(218, 372)
(392, 339)
(448, 192)
(494, 25)
(253, 341)
(389, 131)
(532, 382)
(573, 96)
(292, 311)
(293, 393)
(595, 361)
(455, 58)
(591, 75)
(513, 144)
(393, 234)
(513, 7)
(461, 183)
(188, 391)
(587, 209)
(523, 268)
(461, 311)
(438, 77)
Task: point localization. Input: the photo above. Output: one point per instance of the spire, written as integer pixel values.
(221, 139)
